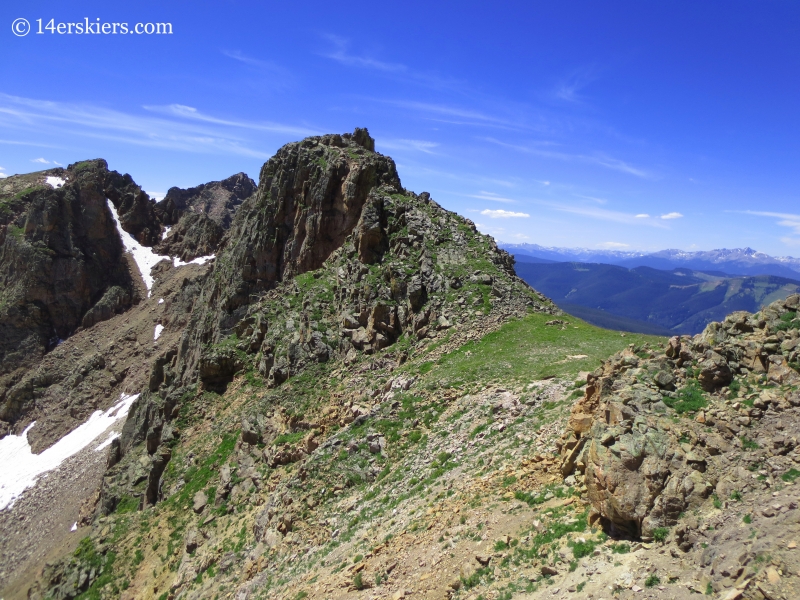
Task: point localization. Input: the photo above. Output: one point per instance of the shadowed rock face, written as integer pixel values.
(217, 199)
(60, 256)
(199, 216)
(309, 199)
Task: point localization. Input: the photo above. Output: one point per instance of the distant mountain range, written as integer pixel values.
(648, 300)
(738, 261)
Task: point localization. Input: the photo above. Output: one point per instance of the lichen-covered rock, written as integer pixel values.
(641, 470)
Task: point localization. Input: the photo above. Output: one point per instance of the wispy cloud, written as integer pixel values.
(504, 214)
(178, 127)
(613, 245)
(40, 161)
(249, 60)
(2, 175)
(603, 214)
(404, 144)
(491, 196)
(568, 88)
(671, 215)
(277, 76)
(790, 220)
(342, 54)
(600, 159)
(189, 112)
(642, 216)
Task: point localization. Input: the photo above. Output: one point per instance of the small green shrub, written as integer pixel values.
(652, 580)
(358, 581)
(581, 549)
(660, 534)
(791, 475)
(689, 399)
(736, 495)
(749, 444)
(747, 519)
(622, 548)
(788, 321)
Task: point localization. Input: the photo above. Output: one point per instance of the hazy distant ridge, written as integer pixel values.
(736, 261)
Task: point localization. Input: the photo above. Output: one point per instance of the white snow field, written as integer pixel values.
(157, 332)
(55, 182)
(20, 468)
(145, 258)
(200, 260)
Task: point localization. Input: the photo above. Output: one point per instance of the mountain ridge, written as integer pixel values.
(737, 261)
(356, 395)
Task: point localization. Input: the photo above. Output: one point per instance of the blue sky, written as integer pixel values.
(624, 125)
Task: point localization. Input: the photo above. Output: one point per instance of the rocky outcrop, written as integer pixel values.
(218, 200)
(198, 217)
(642, 466)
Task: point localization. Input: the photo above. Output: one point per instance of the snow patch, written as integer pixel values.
(200, 260)
(103, 445)
(20, 468)
(55, 182)
(74, 526)
(166, 232)
(145, 258)
(161, 301)
(159, 329)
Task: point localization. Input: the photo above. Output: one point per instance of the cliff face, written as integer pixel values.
(309, 199)
(62, 264)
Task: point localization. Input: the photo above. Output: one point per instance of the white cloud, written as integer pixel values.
(503, 214)
(642, 216)
(341, 55)
(405, 144)
(598, 158)
(672, 215)
(491, 196)
(248, 60)
(41, 161)
(789, 220)
(603, 214)
(3, 175)
(181, 127)
(612, 245)
(190, 112)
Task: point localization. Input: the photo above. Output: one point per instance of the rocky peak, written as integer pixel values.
(309, 199)
(217, 199)
(197, 218)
